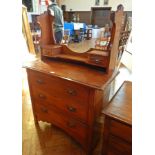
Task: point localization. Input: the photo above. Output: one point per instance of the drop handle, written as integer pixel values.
(44, 110)
(71, 92)
(71, 124)
(71, 109)
(97, 61)
(42, 96)
(40, 81)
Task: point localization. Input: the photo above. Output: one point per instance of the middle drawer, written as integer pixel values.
(78, 110)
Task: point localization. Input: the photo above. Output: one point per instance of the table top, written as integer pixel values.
(120, 106)
(73, 72)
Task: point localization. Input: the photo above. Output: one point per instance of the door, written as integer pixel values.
(101, 16)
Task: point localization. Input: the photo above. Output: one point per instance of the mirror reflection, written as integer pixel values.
(84, 28)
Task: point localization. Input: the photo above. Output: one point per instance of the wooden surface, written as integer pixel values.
(45, 22)
(114, 61)
(117, 138)
(73, 72)
(121, 105)
(49, 49)
(70, 96)
(47, 139)
(110, 62)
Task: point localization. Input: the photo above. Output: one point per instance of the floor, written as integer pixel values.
(47, 139)
(82, 46)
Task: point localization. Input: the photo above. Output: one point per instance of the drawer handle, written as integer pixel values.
(71, 109)
(42, 96)
(44, 110)
(71, 92)
(40, 81)
(97, 61)
(71, 124)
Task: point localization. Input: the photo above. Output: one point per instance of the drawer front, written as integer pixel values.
(77, 110)
(73, 127)
(65, 90)
(121, 130)
(98, 60)
(119, 146)
(51, 52)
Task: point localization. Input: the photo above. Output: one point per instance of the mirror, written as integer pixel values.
(96, 19)
(76, 40)
(76, 20)
(83, 29)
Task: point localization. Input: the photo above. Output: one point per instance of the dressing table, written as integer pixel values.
(70, 89)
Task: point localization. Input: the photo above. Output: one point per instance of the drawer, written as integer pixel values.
(65, 90)
(51, 51)
(73, 109)
(98, 60)
(121, 130)
(118, 146)
(73, 127)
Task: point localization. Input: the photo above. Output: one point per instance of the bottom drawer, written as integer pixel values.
(73, 127)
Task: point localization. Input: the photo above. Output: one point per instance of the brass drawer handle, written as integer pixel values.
(71, 92)
(97, 61)
(44, 110)
(42, 96)
(71, 124)
(40, 81)
(71, 109)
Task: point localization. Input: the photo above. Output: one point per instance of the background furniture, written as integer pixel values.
(74, 26)
(101, 16)
(117, 138)
(84, 16)
(88, 33)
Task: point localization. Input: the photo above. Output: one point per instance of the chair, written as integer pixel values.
(88, 34)
(82, 34)
(124, 36)
(66, 36)
(102, 42)
(122, 43)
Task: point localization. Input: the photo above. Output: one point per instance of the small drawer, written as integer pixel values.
(98, 60)
(77, 110)
(73, 127)
(46, 52)
(121, 130)
(51, 50)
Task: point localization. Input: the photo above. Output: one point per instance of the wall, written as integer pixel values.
(85, 5)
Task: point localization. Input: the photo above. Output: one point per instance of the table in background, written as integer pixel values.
(74, 26)
(117, 137)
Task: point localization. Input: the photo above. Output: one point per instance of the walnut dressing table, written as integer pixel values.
(69, 89)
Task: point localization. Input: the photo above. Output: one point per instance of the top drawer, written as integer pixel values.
(60, 88)
(121, 130)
